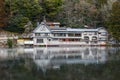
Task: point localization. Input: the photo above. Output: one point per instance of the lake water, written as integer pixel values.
(60, 63)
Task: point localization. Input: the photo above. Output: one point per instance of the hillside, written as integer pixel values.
(70, 13)
(77, 13)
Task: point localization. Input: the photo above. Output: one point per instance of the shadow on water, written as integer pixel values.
(85, 63)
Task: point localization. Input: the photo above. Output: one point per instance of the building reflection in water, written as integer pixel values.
(53, 57)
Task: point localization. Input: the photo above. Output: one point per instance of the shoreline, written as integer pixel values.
(60, 46)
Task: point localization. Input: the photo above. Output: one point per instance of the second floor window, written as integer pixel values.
(39, 40)
(37, 34)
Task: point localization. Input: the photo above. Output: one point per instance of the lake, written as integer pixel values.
(60, 63)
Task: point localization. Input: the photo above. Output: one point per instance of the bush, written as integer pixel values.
(10, 43)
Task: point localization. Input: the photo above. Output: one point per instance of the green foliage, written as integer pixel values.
(19, 21)
(72, 13)
(17, 24)
(10, 43)
(101, 3)
(14, 29)
(21, 12)
(98, 3)
(77, 13)
(51, 7)
(26, 8)
(114, 21)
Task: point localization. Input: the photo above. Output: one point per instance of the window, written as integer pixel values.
(49, 39)
(86, 38)
(55, 39)
(46, 34)
(78, 35)
(63, 39)
(95, 33)
(39, 40)
(103, 34)
(59, 34)
(94, 38)
(64, 34)
(103, 39)
(71, 34)
(54, 34)
(37, 34)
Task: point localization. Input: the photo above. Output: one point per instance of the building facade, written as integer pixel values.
(51, 34)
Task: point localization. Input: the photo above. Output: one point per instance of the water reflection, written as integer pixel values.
(62, 63)
(52, 57)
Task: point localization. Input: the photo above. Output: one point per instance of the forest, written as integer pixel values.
(16, 14)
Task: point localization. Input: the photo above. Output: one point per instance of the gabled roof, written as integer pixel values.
(42, 28)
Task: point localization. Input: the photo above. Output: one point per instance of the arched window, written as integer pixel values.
(86, 38)
(94, 38)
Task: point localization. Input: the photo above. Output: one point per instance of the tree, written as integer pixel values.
(77, 13)
(102, 11)
(21, 12)
(51, 8)
(114, 21)
(27, 8)
(10, 43)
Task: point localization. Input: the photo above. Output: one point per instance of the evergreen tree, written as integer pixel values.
(21, 12)
(51, 8)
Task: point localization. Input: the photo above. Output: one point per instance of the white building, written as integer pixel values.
(51, 34)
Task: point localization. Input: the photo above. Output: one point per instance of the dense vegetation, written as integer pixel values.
(23, 12)
(71, 13)
(114, 21)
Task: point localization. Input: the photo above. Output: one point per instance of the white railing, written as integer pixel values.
(65, 43)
